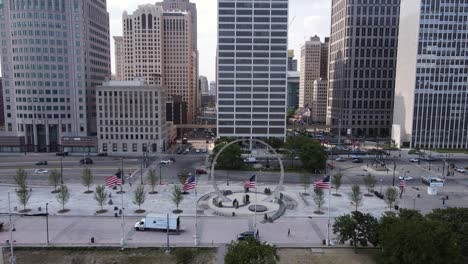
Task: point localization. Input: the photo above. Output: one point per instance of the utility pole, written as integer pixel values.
(47, 221)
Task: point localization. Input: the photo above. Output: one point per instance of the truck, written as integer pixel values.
(250, 160)
(159, 222)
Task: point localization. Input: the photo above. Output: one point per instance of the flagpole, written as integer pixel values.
(122, 242)
(196, 212)
(329, 205)
(255, 215)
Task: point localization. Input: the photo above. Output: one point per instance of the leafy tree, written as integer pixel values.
(177, 196)
(336, 181)
(319, 198)
(358, 228)
(291, 112)
(355, 196)
(310, 152)
(139, 196)
(63, 195)
(391, 196)
(100, 195)
(305, 182)
(369, 182)
(251, 251)
(183, 175)
(230, 158)
(23, 196)
(21, 178)
(275, 143)
(456, 219)
(153, 179)
(87, 179)
(416, 240)
(54, 179)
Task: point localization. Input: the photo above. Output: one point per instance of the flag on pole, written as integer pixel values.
(114, 180)
(189, 183)
(402, 184)
(323, 183)
(250, 183)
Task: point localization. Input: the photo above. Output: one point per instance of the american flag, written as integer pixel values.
(189, 183)
(114, 180)
(250, 183)
(402, 184)
(323, 183)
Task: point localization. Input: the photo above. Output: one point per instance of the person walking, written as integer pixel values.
(289, 232)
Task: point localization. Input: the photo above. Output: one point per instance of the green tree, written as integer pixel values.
(87, 179)
(230, 159)
(336, 182)
(183, 175)
(309, 151)
(54, 179)
(305, 182)
(369, 182)
(391, 196)
(275, 143)
(63, 195)
(456, 219)
(139, 196)
(153, 179)
(319, 198)
(357, 227)
(23, 196)
(21, 178)
(416, 240)
(100, 195)
(291, 112)
(251, 251)
(355, 196)
(177, 197)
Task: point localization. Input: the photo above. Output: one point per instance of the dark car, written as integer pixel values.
(358, 160)
(86, 161)
(42, 162)
(102, 154)
(63, 154)
(200, 171)
(245, 235)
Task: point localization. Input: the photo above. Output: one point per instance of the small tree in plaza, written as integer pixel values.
(305, 182)
(54, 179)
(336, 182)
(100, 196)
(369, 182)
(177, 198)
(139, 198)
(391, 196)
(87, 179)
(319, 199)
(23, 197)
(355, 196)
(152, 179)
(63, 195)
(21, 178)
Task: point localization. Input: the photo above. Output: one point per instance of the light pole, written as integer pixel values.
(47, 221)
(394, 168)
(122, 172)
(61, 170)
(12, 256)
(141, 170)
(160, 174)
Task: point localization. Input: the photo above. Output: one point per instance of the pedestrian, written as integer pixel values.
(289, 232)
(256, 234)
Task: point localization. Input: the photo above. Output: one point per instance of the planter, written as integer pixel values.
(63, 211)
(319, 212)
(178, 211)
(101, 211)
(140, 211)
(88, 192)
(155, 192)
(336, 195)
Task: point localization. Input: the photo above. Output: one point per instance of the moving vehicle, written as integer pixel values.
(204, 150)
(414, 160)
(197, 151)
(165, 162)
(250, 160)
(432, 181)
(63, 154)
(406, 178)
(357, 160)
(200, 171)
(42, 162)
(245, 235)
(158, 222)
(184, 140)
(430, 159)
(340, 159)
(459, 169)
(86, 161)
(41, 171)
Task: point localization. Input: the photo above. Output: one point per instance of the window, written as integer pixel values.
(104, 147)
(134, 147)
(124, 147)
(114, 147)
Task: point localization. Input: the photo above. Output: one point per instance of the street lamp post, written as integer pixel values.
(394, 169)
(122, 172)
(141, 170)
(160, 174)
(47, 221)
(61, 170)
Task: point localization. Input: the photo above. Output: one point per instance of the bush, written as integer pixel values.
(183, 255)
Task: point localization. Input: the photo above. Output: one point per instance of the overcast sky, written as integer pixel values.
(307, 18)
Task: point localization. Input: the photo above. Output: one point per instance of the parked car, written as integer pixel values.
(430, 159)
(102, 154)
(204, 150)
(165, 162)
(406, 178)
(414, 160)
(200, 171)
(460, 169)
(357, 160)
(62, 154)
(41, 163)
(250, 160)
(340, 159)
(197, 151)
(86, 161)
(41, 171)
(245, 235)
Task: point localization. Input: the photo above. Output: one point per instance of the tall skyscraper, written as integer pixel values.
(252, 66)
(293, 90)
(431, 100)
(54, 54)
(318, 108)
(158, 47)
(204, 85)
(212, 88)
(184, 5)
(363, 50)
(2, 107)
(292, 63)
(310, 70)
(324, 59)
(119, 57)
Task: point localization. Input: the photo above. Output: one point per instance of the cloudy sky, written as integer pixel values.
(307, 18)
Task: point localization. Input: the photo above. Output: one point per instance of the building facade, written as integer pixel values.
(54, 54)
(119, 57)
(310, 70)
(319, 101)
(2, 107)
(363, 50)
(213, 88)
(293, 90)
(204, 85)
(252, 68)
(431, 95)
(131, 118)
(158, 48)
(292, 63)
(324, 58)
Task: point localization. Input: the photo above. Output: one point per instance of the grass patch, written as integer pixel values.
(462, 151)
(328, 256)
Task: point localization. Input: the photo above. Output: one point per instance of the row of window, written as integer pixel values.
(249, 131)
(124, 147)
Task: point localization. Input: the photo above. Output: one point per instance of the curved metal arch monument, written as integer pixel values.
(275, 194)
